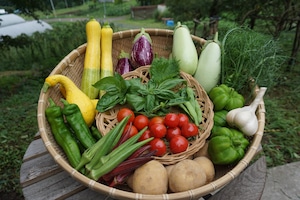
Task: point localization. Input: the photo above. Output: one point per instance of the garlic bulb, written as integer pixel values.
(244, 118)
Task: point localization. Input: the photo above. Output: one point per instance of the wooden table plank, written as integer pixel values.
(57, 186)
(36, 169)
(35, 149)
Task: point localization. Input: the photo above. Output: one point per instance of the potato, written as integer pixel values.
(203, 151)
(150, 178)
(186, 175)
(129, 181)
(169, 169)
(207, 166)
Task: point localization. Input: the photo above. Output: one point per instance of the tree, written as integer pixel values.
(277, 16)
(195, 11)
(29, 7)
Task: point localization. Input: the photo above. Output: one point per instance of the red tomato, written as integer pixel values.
(156, 120)
(133, 130)
(189, 130)
(183, 119)
(159, 145)
(171, 120)
(178, 144)
(158, 130)
(145, 135)
(123, 112)
(172, 132)
(141, 121)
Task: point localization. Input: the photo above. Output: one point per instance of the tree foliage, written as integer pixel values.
(194, 9)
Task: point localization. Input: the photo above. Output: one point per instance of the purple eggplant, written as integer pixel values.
(142, 53)
(123, 65)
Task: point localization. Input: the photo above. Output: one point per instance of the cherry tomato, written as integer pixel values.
(123, 112)
(159, 145)
(171, 132)
(189, 130)
(145, 135)
(140, 122)
(158, 130)
(171, 120)
(183, 119)
(156, 120)
(133, 130)
(178, 144)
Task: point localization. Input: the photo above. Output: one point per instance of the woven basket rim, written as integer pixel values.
(121, 194)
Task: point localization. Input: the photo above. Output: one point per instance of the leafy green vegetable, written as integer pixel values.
(115, 91)
(152, 98)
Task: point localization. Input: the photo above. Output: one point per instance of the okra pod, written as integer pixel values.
(120, 148)
(113, 135)
(95, 174)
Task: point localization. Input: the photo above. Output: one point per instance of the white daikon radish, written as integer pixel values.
(209, 65)
(244, 118)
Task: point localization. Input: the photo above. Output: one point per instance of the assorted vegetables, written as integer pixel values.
(157, 117)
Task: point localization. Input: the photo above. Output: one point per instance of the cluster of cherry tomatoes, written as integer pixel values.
(172, 130)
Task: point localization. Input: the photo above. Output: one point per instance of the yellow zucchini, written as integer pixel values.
(106, 51)
(91, 70)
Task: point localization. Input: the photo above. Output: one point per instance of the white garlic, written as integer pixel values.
(244, 118)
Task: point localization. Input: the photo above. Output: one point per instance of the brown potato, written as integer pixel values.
(207, 166)
(203, 151)
(186, 175)
(150, 178)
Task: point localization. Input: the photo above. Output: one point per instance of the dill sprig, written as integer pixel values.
(249, 55)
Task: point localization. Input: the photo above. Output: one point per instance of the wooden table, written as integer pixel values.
(42, 178)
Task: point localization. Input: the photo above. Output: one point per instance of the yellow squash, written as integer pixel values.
(73, 95)
(91, 70)
(106, 51)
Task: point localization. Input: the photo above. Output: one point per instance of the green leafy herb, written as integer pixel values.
(155, 96)
(246, 55)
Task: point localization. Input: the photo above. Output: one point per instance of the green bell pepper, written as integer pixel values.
(227, 146)
(226, 98)
(220, 118)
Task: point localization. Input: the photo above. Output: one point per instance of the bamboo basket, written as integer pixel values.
(106, 121)
(72, 66)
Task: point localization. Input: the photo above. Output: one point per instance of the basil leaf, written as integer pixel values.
(136, 102)
(108, 101)
(150, 102)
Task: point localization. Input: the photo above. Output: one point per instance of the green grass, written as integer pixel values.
(19, 96)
